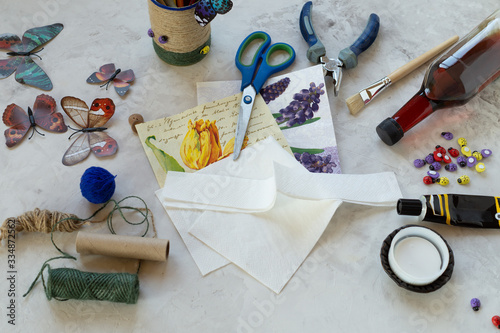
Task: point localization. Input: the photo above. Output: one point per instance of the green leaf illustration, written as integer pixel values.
(167, 162)
(309, 121)
(307, 150)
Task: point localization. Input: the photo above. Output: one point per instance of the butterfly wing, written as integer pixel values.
(44, 111)
(19, 123)
(221, 6)
(10, 42)
(121, 82)
(35, 37)
(100, 111)
(9, 66)
(102, 144)
(127, 76)
(204, 13)
(28, 72)
(77, 110)
(104, 74)
(121, 87)
(78, 151)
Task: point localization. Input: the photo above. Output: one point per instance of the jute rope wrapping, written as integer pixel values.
(185, 37)
(39, 220)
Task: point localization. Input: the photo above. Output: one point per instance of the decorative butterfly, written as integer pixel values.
(107, 74)
(43, 115)
(92, 135)
(27, 71)
(206, 10)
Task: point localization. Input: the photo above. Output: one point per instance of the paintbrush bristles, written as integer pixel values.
(355, 103)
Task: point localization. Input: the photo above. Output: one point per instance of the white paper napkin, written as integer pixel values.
(264, 212)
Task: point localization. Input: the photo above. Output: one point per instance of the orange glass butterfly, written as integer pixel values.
(92, 136)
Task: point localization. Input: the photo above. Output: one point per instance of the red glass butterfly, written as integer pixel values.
(107, 74)
(42, 115)
(92, 137)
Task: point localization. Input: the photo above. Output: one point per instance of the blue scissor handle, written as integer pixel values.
(266, 70)
(253, 73)
(248, 71)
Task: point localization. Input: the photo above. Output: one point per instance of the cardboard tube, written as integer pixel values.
(122, 246)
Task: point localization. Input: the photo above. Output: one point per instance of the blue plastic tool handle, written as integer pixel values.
(259, 70)
(316, 48)
(364, 41)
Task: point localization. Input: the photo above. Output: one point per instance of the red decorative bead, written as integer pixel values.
(446, 159)
(453, 152)
(496, 321)
(438, 157)
(428, 180)
(440, 149)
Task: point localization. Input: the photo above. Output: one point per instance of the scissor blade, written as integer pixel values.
(246, 107)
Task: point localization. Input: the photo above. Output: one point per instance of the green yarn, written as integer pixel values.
(181, 59)
(68, 283)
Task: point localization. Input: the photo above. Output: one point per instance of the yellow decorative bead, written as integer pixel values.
(462, 180)
(466, 151)
(477, 155)
(480, 167)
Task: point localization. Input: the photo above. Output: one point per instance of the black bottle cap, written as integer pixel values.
(390, 131)
(411, 207)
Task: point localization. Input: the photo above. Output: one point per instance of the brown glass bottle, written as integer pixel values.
(451, 80)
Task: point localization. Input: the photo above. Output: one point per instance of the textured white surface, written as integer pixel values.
(341, 287)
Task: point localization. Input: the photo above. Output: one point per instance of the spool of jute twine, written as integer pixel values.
(39, 220)
(185, 40)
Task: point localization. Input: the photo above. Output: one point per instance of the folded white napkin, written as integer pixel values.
(263, 212)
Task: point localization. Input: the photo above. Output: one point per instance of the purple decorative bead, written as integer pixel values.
(462, 161)
(163, 39)
(429, 158)
(447, 135)
(433, 174)
(451, 167)
(435, 166)
(475, 303)
(486, 153)
(471, 161)
(151, 33)
(418, 163)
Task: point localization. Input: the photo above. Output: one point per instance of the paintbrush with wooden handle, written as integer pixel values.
(356, 102)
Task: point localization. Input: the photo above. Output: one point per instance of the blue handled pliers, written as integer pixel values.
(347, 58)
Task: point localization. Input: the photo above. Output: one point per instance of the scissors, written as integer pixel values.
(254, 76)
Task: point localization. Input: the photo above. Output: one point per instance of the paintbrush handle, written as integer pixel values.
(419, 61)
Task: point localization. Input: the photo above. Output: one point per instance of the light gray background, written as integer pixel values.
(341, 287)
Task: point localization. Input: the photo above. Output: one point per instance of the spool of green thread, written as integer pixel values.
(69, 283)
(178, 39)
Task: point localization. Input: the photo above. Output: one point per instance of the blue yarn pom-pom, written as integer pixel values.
(97, 185)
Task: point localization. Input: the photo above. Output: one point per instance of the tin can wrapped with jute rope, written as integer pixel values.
(178, 39)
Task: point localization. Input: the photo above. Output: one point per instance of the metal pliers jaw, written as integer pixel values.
(333, 68)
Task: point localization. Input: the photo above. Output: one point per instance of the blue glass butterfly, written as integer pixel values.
(206, 10)
(27, 71)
